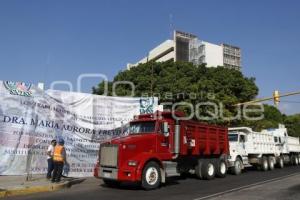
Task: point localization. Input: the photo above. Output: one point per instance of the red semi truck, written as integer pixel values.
(159, 145)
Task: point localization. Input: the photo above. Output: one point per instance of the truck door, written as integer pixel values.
(278, 144)
(163, 140)
(242, 147)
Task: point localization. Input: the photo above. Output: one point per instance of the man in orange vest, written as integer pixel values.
(59, 158)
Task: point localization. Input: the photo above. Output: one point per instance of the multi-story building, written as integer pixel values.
(187, 47)
(232, 56)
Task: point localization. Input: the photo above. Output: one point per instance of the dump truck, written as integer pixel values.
(264, 150)
(163, 144)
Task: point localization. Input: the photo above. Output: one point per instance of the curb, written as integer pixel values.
(37, 189)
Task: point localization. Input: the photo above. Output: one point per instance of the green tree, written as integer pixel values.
(272, 117)
(176, 81)
(292, 123)
(182, 81)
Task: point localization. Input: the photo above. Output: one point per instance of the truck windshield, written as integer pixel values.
(233, 137)
(142, 127)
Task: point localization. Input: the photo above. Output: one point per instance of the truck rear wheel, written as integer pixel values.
(296, 160)
(271, 162)
(237, 168)
(221, 168)
(280, 163)
(293, 160)
(264, 166)
(198, 169)
(208, 169)
(151, 177)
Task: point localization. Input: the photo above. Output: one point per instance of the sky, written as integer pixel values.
(59, 40)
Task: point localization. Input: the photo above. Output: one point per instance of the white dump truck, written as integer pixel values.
(264, 150)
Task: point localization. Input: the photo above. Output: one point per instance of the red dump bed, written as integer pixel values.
(203, 139)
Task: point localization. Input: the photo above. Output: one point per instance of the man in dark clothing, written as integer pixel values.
(59, 158)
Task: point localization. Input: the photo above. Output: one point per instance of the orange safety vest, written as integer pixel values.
(57, 155)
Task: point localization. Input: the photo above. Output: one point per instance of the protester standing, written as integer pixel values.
(50, 152)
(59, 158)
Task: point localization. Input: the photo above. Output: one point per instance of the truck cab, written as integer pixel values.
(149, 140)
(289, 147)
(237, 145)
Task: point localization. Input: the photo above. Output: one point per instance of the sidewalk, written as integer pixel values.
(284, 189)
(17, 185)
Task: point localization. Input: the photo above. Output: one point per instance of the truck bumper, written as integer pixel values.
(129, 175)
(108, 173)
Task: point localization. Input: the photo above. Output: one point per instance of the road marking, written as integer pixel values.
(247, 186)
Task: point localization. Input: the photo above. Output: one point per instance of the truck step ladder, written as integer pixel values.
(170, 168)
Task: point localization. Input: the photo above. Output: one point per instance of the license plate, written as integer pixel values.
(107, 175)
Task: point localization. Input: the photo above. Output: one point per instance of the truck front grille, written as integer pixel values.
(109, 155)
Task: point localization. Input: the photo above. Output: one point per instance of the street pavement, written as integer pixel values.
(176, 188)
(283, 189)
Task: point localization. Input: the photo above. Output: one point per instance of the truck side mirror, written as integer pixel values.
(166, 129)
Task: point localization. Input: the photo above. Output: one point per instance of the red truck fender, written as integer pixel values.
(143, 163)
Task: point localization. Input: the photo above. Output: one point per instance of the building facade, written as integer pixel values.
(187, 47)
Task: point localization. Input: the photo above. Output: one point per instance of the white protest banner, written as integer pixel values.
(30, 118)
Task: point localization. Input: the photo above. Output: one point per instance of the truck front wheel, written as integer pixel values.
(151, 177)
(237, 168)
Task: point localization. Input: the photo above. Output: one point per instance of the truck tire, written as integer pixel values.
(271, 162)
(280, 163)
(264, 165)
(208, 169)
(221, 168)
(292, 160)
(237, 168)
(151, 176)
(296, 160)
(198, 169)
(111, 183)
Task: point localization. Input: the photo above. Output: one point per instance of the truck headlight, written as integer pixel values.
(132, 163)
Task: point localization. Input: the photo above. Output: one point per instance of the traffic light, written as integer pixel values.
(276, 97)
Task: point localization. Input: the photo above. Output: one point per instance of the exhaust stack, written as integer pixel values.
(177, 138)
